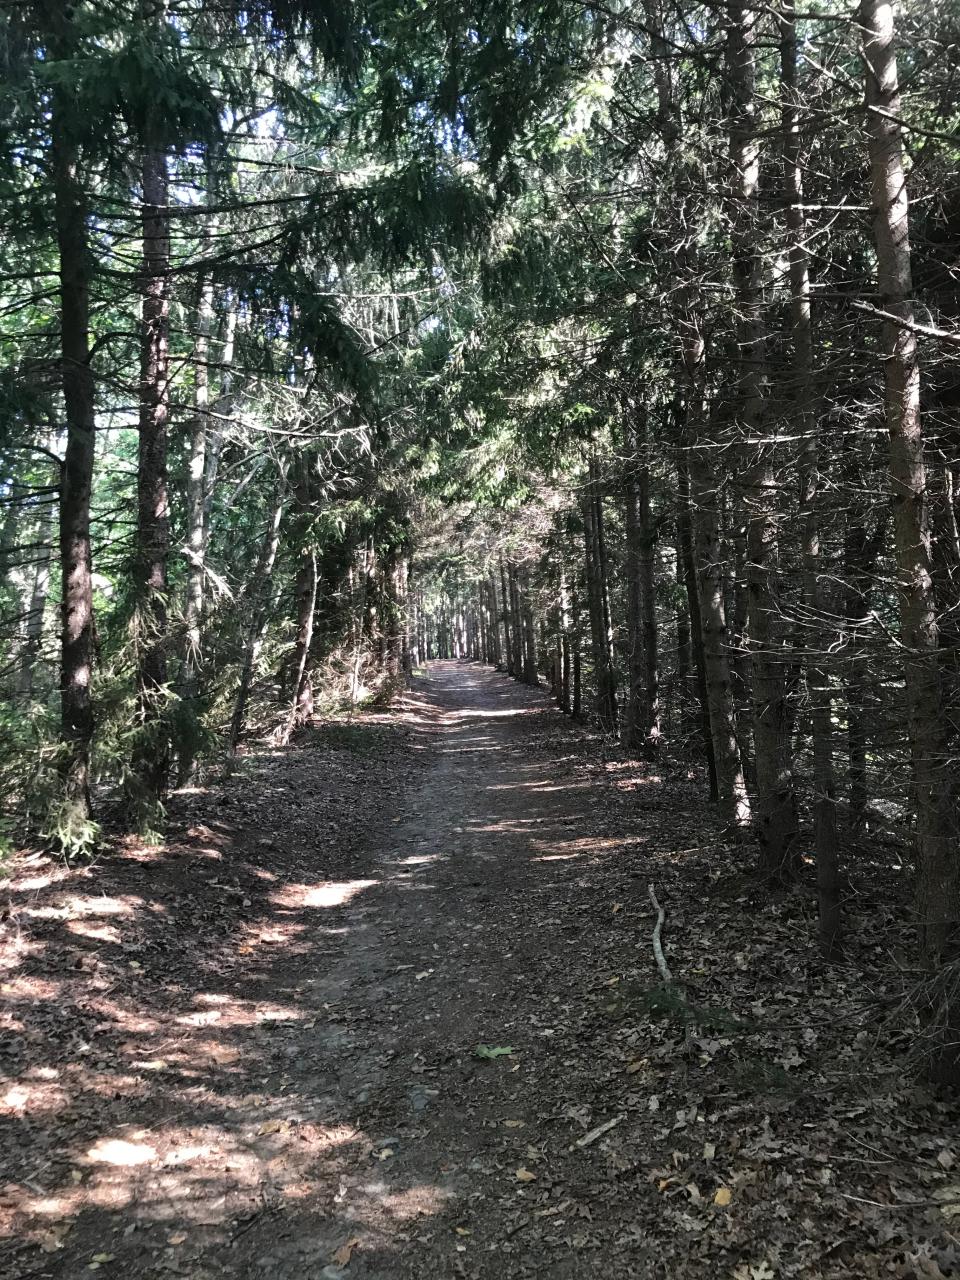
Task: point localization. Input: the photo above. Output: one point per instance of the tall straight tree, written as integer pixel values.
(938, 861)
(804, 426)
(76, 656)
(774, 817)
(152, 756)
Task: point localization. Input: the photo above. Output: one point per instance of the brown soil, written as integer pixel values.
(254, 1052)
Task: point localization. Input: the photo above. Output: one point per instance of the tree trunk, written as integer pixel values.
(631, 729)
(684, 652)
(598, 606)
(196, 542)
(564, 696)
(76, 661)
(936, 830)
(258, 602)
(516, 621)
(689, 570)
(152, 752)
(359, 619)
(603, 574)
(37, 605)
(576, 640)
(408, 633)
(651, 726)
(221, 408)
(496, 656)
(306, 591)
(530, 665)
(505, 615)
(804, 424)
(731, 785)
(775, 816)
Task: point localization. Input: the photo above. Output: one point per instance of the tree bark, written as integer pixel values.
(38, 601)
(631, 729)
(505, 617)
(530, 666)
(804, 424)
(516, 621)
(258, 601)
(76, 645)
(564, 696)
(651, 724)
(306, 594)
(576, 666)
(598, 604)
(936, 830)
(152, 752)
(731, 785)
(688, 562)
(775, 815)
(196, 541)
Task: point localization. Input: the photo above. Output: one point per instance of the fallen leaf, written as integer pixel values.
(709, 1150)
(52, 1240)
(177, 1238)
(343, 1255)
(723, 1197)
(270, 1126)
(385, 1154)
(492, 1050)
(524, 1175)
(950, 1194)
(463, 1231)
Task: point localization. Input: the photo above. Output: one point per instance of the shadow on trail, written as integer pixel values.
(224, 1057)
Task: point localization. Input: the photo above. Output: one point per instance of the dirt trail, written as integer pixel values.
(253, 1053)
(311, 1080)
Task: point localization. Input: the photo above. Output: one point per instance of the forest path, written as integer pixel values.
(252, 1052)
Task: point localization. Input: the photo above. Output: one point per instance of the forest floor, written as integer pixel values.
(380, 1007)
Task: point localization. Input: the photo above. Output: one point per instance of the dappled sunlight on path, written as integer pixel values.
(229, 1048)
(384, 1008)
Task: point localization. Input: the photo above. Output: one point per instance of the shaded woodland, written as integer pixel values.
(613, 346)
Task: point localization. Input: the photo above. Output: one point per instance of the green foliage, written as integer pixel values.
(152, 84)
(68, 827)
(670, 1004)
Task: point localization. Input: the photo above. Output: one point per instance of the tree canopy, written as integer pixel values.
(612, 345)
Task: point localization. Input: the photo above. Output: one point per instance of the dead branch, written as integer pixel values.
(657, 945)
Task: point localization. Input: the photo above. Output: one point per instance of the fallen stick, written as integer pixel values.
(596, 1133)
(657, 945)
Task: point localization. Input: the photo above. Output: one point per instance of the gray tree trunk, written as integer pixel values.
(775, 816)
(258, 602)
(152, 752)
(936, 831)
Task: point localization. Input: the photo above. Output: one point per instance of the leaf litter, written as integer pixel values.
(249, 1074)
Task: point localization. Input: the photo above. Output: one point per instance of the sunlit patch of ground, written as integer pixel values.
(328, 893)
